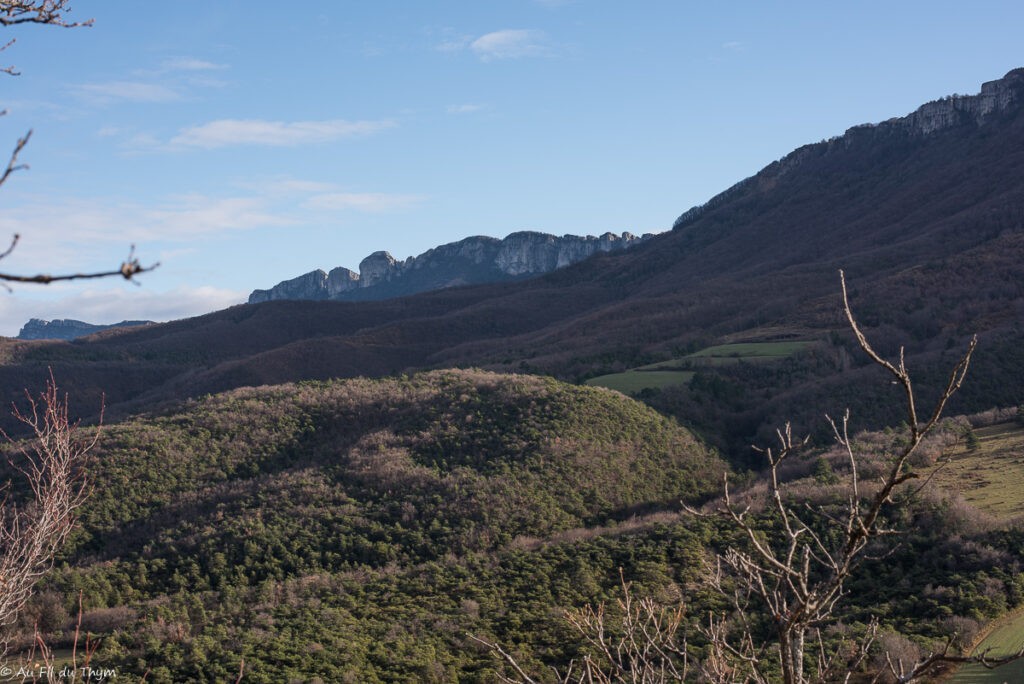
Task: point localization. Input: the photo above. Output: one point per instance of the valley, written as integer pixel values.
(366, 491)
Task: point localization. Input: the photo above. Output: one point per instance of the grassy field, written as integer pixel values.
(633, 381)
(726, 354)
(752, 349)
(991, 475)
(680, 371)
(1006, 638)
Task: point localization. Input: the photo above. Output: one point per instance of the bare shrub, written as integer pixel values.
(53, 466)
(896, 654)
(107, 620)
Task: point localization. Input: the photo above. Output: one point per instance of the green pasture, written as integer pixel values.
(680, 371)
(727, 354)
(990, 476)
(633, 381)
(752, 349)
(1006, 638)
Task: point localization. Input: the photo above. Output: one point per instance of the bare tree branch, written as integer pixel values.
(130, 267)
(53, 464)
(48, 12)
(51, 12)
(13, 165)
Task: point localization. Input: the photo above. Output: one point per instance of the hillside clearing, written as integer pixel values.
(680, 371)
(991, 475)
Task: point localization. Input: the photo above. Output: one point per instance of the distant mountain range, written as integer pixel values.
(924, 212)
(67, 328)
(475, 260)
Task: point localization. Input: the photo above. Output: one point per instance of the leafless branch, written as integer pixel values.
(508, 658)
(48, 12)
(130, 268)
(13, 165)
(51, 12)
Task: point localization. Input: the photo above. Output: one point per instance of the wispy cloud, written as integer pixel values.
(112, 303)
(170, 81)
(510, 44)
(78, 233)
(195, 215)
(228, 132)
(132, 91)
(732, 45)
(464, 108)
(190, 64)
(75, 233)
(374, 202)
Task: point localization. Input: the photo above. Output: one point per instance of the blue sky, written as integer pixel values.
(244, 143)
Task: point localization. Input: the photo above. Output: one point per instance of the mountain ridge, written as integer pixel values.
(68, 328)
(473, 260)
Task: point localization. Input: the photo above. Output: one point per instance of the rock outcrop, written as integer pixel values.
(67, 329)
(477, 259)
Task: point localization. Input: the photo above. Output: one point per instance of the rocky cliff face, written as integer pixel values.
(477, 259)
(66, 329)
(995, 98)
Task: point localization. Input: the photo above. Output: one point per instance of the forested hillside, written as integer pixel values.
(362, 526)
(360, 530)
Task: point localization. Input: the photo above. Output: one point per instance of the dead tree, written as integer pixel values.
(799, 576)
(35, 522)
(794, 575)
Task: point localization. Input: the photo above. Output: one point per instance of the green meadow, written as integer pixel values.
(680, 371)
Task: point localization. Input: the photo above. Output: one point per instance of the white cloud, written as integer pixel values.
(133, 91)
(289, 186)
(190, 64)
(191, 216)
(510, 44)
(112, 303)
(732, 45)
(362, 201)
(464, 108)
(95, 234)
(227, 132)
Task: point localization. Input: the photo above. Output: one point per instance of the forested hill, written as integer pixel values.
(260, 523)
(362, 530)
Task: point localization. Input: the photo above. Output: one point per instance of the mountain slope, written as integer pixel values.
(925, 213)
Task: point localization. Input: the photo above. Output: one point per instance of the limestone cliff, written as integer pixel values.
(477, 259)
(67, 329)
